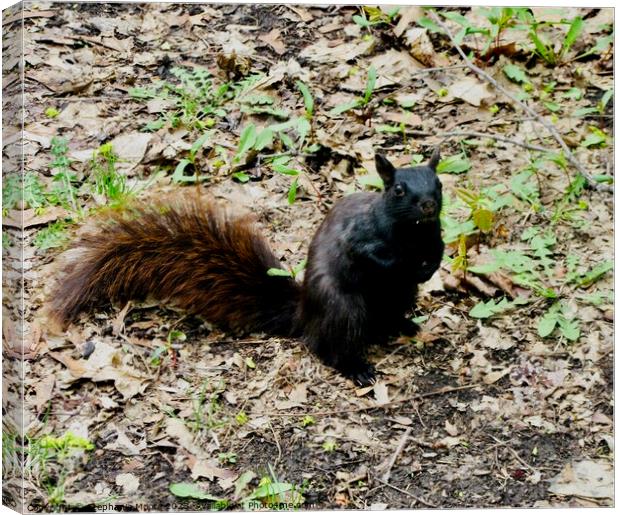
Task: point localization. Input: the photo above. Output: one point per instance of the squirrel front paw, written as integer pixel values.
(365, 375)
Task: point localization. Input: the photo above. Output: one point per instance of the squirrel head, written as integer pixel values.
(412, 194)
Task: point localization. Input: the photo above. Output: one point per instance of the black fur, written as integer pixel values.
(364, 265)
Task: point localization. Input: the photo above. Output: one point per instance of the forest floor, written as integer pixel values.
(505, 398)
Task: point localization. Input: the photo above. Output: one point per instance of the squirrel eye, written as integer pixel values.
(399, 190)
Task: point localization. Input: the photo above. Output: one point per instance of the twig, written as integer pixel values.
(474, 134)
(419, 499)
(552, 130)
(277, 441)
(399, 449)
(441, 391)
(514, 453)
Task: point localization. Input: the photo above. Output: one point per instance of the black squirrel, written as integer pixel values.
(364, 264)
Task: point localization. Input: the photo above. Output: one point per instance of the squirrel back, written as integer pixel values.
(189, 252)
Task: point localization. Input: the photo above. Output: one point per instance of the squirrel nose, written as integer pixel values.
(428, 207)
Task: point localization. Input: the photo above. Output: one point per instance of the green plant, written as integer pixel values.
(27, 188)
(194, 99)
(64, 190)
(194, 491)
(308, 99)
(460, 262)
(281, 272)
(179, 172)
(472, 212)
(479, 208)
(458, 163)
(546, 49)
(371, 16)
(596, 138)
(559, 316)
(602, 44)
(167, 349)
(585, 279)
(54, 235)
(454, 229)
(52, 112)
(64, 446)
(500, 19)
(598, 109)
(597, 298)
(34, 194)
(491, 307)
(206, 407)
(48, 459)
(252, 139)
(197, 100)
(371, 81)
(329, 445)
(261, 104)
(394, 129)
(281, 165)
(274, 494)
(570, 203)
(227, 457)
(308, 420)
(108, 182)
(241, 418)
(525, 187)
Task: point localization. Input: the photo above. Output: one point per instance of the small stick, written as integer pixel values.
(399, 449)
(514, 453)
(474, 134)
(552, 130)
(391, 404)
(277, 441)
(419, 499)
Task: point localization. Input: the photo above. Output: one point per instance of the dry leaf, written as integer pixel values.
(408, 16)
(43, 391)
(381, 393)
(323, 52)
(274, 40)
(125, 446)
(299, 394)
(209, 468)
(471, 90)
(76, 368)
(130, 148)
(421, 47)
(493, 338)
(177, 429)
(451, 429)
(128, 482)
(586, 478)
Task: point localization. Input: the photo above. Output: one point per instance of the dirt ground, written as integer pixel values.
(475, 412)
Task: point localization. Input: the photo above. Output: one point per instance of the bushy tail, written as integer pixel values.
(189, 252)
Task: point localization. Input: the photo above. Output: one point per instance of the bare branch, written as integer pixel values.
(547, 125)
(475, 134)
(396, 454)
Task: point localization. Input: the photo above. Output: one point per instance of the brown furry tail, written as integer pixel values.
(190, 253)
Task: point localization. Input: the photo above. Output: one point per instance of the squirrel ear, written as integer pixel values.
(385, 169)
(434, 160)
